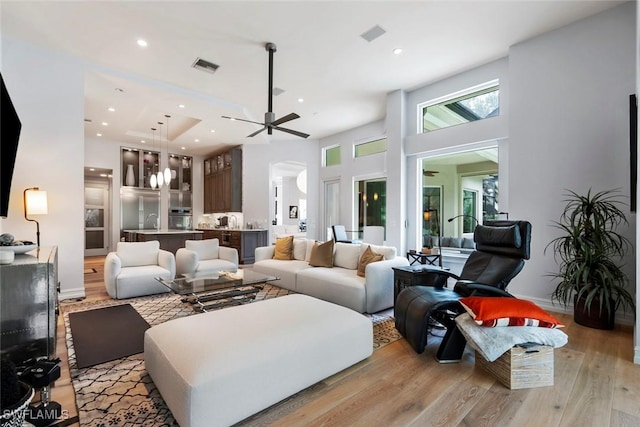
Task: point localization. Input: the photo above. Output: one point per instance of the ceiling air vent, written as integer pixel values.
(372, 34)
(204, 65)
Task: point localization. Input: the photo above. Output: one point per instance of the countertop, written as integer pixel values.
(231, 229)
(152, 232)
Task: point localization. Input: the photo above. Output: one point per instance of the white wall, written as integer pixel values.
(47, 89)
(256, 182)
(568, 128)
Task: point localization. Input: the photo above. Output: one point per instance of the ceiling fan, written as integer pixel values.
(429, 173)
(270, 121)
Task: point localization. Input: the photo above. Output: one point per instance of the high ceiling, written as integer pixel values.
(321, 58)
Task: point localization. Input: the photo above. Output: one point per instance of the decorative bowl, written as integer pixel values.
(18, 249)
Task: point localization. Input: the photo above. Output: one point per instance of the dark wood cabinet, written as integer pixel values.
(244, 241)
(29, 305)
(223, 182)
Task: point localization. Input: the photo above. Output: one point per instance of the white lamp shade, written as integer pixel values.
(36, 201)
(160, 179)
(167, 175)
(153, 181)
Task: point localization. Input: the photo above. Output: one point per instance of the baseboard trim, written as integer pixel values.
(71, 293)
(621, 318)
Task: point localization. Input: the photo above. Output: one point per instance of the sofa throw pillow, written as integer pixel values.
(368, 256)
(388, 252)
(299, 249)
(504, 311)
(346, 255)
(284, 249)
(322, 254)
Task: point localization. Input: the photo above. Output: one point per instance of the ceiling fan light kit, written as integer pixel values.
(270, 122)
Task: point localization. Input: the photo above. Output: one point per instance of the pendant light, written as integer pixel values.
(167, 171)
(160, 177)
(153, 181)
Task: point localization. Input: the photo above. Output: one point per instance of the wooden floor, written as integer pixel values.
(596, 384)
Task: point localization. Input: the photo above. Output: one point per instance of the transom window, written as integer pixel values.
(371, 147)
(472, 105)
(332, 156)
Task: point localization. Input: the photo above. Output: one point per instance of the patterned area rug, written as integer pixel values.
(121, 393)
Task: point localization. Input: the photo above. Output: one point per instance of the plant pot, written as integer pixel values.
(13, 415)
(594, 318)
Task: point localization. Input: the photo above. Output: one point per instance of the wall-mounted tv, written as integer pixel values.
(9, 134)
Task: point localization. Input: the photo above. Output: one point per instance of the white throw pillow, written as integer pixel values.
(389, 252)
(206, 249)
(310, 243)
(346, 255)
(300, 249)
(135, 254)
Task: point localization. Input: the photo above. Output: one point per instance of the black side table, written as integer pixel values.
(425, 259)
(415, 275)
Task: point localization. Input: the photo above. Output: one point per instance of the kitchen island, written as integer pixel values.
(170, 240)
(244, 240)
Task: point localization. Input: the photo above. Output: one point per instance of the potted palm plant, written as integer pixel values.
(589, 253)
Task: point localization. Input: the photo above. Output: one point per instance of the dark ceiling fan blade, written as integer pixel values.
(284, 119)
(292, 132)
(256, 132)
(242, 120)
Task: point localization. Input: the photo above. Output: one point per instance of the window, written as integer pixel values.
(472, 105)
(469, 210)
(371, 202)
(332, 156)
(371, 147)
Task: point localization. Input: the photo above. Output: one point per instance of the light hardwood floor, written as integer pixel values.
(596, 384)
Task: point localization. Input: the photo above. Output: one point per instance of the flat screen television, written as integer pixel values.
(9, 135)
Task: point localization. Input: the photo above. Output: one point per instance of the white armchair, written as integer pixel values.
(131, 270)
(205, 256)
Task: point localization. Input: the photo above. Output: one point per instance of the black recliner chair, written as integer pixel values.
(501, 248)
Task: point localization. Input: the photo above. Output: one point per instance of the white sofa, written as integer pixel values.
(201, 257)
(279, 231)
(131, 270)
(339, 284)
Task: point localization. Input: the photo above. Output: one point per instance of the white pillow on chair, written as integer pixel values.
(206, 249)
(135, 254)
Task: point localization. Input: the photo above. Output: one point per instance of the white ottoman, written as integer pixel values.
(218, 368)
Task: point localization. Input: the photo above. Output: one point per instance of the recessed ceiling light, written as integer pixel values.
(142, 43)
(92, 169)
(181, 106)
(105, 124)
(98, 134)
(111, 109)
(196, 140)
(103, 175)
(213, 131)
(143, 141)
(184, 148)
(300, 100)
(397, 51)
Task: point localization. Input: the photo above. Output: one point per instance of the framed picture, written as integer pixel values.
(293, 212)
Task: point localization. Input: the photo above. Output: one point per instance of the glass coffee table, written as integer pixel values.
(208, 292)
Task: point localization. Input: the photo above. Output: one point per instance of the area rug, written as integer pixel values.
(121, 393)
(104, 334)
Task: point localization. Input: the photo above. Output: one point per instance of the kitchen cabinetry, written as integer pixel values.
(223, 182)
(244, 241)
(29, 305)
(180, 186)
(137, 167)
(170, 240)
